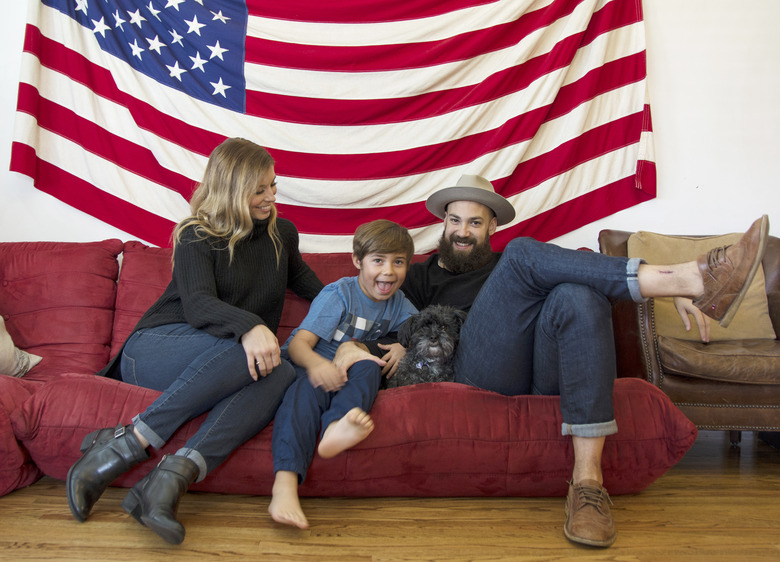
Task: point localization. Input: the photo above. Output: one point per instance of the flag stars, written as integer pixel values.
(194, 25)
(219, 16)
(216, 51)
(219, 88)
(101, 27)
(176, 71)
(155, 44)
(174, 3)
(136, 49)
(176, 38)
(171, 47)
(198, 62)
(154, 12)
(136, 18)
(118, 21)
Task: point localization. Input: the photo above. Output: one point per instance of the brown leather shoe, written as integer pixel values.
(728, 271)
(588, 518)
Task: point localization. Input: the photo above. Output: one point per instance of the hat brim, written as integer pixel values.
(503, 209)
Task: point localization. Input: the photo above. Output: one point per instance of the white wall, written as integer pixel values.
(714, 75)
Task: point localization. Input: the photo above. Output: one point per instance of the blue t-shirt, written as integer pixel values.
(342, 312)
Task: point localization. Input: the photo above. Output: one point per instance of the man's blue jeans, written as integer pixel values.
(542, 324)
(199, 373)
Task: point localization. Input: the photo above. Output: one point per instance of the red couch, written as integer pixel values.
(72, 304)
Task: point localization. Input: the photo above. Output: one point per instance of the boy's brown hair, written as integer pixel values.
(382, 237)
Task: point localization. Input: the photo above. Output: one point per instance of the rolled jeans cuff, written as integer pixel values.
(632, 275)
(589, 429)
(197, 458)
(148, 433)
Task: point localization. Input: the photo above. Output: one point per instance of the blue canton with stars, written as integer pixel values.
(195, 46)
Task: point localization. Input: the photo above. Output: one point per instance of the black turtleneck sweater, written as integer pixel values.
(224, 298)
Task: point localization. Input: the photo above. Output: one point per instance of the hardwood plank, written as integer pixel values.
(718, 503)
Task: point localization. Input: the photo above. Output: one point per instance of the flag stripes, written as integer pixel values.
(367, 108)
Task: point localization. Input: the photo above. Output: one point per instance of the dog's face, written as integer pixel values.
(432, 334)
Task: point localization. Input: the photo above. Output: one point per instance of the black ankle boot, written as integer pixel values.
(108, 453)
(154, 500)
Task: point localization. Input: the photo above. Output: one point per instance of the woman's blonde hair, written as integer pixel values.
(219, 206)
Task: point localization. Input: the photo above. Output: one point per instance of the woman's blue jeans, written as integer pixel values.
(542, 324)
(198, 373)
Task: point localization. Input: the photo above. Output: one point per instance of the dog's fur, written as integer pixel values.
(430, 338)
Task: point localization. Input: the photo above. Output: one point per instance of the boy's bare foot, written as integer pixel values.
(285, 506)
(345, 433)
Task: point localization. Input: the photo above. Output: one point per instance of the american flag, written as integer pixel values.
(368, 107)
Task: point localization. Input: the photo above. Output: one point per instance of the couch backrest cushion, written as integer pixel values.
(146, 271)
(752, 319)
(57, 299)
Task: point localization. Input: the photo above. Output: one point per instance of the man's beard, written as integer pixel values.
(463, 262)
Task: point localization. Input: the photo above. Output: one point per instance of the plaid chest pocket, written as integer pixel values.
(361, 329)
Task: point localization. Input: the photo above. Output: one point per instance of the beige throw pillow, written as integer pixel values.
(751, 320)
(14, 361)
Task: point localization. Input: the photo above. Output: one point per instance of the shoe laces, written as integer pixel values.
(717, 257)
(589, 495)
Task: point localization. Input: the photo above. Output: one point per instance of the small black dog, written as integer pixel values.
(430, 338)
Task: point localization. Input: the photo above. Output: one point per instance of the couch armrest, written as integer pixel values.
(771, 263)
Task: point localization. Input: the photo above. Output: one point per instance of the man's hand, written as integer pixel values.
(395, 352)
(262, 351)
(684, 309)
(351, 352)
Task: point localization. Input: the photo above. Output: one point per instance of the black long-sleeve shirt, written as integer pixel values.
(224, 298)
(428, 283)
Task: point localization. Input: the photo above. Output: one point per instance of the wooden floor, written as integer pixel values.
(718, 503)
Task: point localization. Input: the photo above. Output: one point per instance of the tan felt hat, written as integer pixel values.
(472, 188)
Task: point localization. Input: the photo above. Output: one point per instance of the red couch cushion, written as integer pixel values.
(145, 273)
(57, 299)
(441, 439)
(16, 467)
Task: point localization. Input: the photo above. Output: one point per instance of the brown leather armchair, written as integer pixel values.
(722, 385)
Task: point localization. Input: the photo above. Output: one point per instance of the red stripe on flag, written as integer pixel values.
(592, 144)
(576, 213)
(84, 196)
(358, 11)
(378, 58)
(95, 139)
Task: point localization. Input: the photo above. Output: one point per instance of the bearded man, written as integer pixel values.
(540, 322)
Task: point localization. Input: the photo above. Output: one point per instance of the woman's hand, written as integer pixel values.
(685, 308)
(262, 351)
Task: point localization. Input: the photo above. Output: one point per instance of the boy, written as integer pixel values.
(361, 308)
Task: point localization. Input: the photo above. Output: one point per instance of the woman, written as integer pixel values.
(208, 342)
